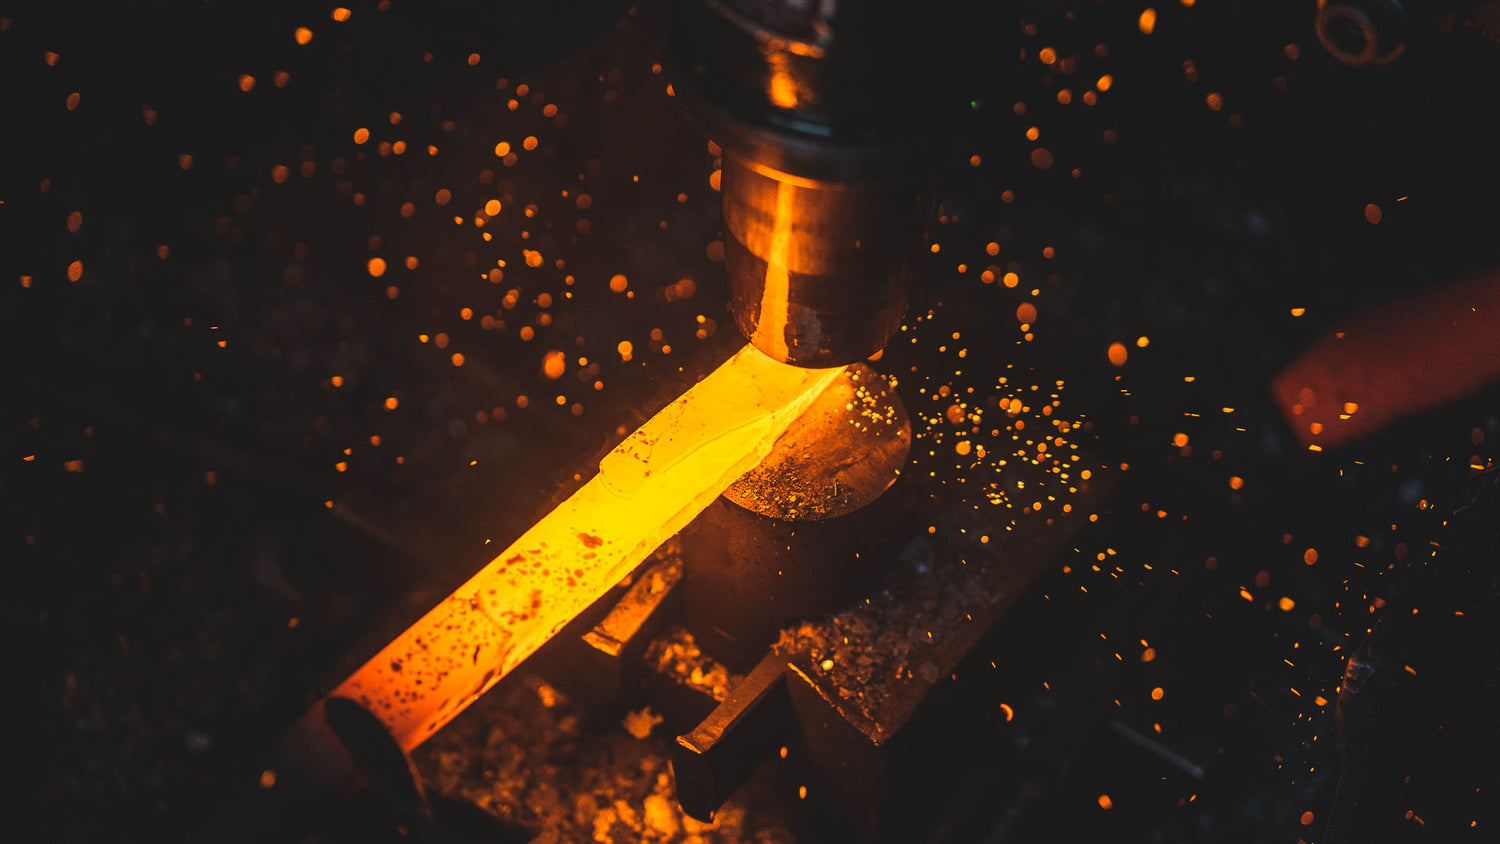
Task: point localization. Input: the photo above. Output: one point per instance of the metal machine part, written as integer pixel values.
(339, 771)
(828, 112)
(843, 453)
(818, 271)
(863, 703)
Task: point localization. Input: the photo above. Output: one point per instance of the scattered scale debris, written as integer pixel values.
(528, 754)
(677, 656)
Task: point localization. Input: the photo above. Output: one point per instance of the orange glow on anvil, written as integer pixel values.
(646, 490)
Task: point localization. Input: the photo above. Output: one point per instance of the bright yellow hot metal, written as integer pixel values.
(655, 482)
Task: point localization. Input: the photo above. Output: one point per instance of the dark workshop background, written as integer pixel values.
(231, 441)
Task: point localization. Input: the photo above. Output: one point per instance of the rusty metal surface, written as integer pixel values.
(840, 455)
(717, 756)
(628, 620)
(876, 662)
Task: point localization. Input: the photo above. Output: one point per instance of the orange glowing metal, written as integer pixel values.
(646, 490)
(773, 306)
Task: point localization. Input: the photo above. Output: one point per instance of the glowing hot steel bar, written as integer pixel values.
(647, 489)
